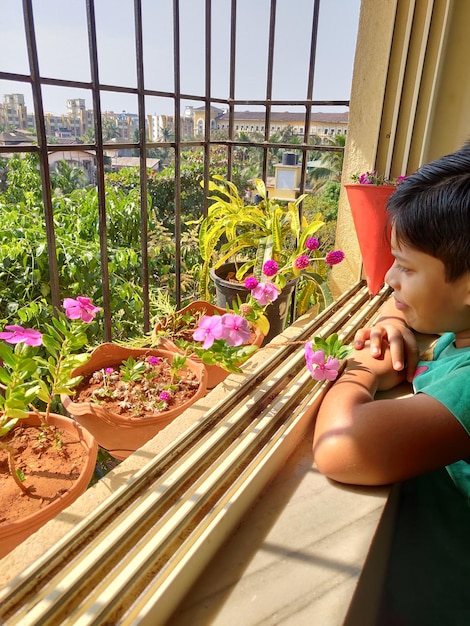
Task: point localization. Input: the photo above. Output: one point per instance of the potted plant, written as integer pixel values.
(176, 331)
(368, 196)
(47, 460)
(267, 241)
(127, 394)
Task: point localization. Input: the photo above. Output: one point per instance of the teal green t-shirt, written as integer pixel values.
(428, 576)
(446, 377)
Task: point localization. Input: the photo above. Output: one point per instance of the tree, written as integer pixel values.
(330, 163)
(110, 129)
(68, 177)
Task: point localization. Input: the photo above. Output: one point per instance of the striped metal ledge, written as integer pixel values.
(134, 558)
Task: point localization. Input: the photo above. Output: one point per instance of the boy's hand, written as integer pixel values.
(380, 365)
(391, 332)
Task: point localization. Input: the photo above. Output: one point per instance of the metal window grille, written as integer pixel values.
(207, 142)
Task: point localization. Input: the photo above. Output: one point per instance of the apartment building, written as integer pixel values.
(249, 122)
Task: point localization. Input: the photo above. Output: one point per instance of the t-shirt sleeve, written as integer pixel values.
(453, 391)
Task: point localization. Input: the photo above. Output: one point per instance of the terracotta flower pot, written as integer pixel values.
(122, 434)
(13, 533)
(215, 373)
(227, 292)
(368, 208)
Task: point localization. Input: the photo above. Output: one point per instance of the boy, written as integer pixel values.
(421, 439)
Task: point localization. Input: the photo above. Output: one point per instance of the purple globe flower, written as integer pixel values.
(334, 257)
(270, 268)
(251, 282)
(312, 243)
(301, 262)
(153, 360)
(165, 396)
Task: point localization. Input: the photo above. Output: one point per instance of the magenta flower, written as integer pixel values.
(265, 293)
(312, 243)
(109, 370)
(81, 308)
(334, 257)
(18, 334)
(165, 396)
(209, 329)
(301, 262)
(270, 268)
(153, 360)
(236, 329)
(317, 366)
(251, 282)
(365, 179)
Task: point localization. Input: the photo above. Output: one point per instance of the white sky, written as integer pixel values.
(63, 49)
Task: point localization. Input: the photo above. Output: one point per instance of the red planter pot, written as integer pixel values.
(122, 434)
(368, 208)
(13, 533)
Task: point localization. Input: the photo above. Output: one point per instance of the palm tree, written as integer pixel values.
(67, 178)
(330, 163)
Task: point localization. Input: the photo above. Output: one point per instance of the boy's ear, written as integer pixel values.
(467, 299)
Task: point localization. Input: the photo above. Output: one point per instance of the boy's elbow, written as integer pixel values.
(336, 459)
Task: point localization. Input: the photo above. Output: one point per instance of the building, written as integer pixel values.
(321, 124)
(13, 112)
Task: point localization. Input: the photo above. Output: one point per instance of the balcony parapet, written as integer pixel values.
(132, 546)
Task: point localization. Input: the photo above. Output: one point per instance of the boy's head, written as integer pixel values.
(430, 211)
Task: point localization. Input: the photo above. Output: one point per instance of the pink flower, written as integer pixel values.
(81, 308)
(109, 370)
(312, 243)
(153, 360)
(250, 282)
(318, 368)
(334, 257)
(18, 334)
(165, 396)
(365, 179)
(270, 268)
(265, 293)
(209, 329)
(301, 262)
(236, 329)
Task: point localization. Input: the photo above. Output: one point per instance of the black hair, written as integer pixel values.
(430, 211)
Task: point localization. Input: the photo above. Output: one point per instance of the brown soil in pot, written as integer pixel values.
(139, 398)
(50, 469)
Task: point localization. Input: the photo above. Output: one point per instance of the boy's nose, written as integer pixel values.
(391, 277)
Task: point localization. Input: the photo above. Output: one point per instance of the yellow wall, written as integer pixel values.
(409, 99)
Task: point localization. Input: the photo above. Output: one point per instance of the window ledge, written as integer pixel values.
(152, 524)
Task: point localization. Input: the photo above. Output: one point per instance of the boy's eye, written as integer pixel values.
(402, 269)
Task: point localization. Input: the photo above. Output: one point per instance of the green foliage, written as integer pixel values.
(132, 370)
(24, 262)
(332, 346)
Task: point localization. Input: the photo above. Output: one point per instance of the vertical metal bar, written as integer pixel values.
(143, 163)
(233, 54)
(43, 157)
(93, 49)
(177, 127)
(311, 76)
(269, 84)
(207, 99)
